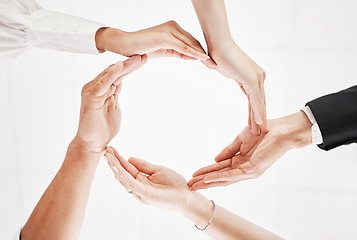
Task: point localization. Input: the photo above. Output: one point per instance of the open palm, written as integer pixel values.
(151, 184)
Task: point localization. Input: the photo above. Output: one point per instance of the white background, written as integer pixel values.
(181, 114)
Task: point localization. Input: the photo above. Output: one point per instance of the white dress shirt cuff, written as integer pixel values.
(48, 29)
(17, 235)
(315, 130)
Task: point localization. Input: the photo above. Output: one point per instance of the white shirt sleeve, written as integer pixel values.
(315, 129)
(25, 24)
(17, 235)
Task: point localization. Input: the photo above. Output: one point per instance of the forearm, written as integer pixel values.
(60, 211)
(336, 116)
(110, 39)
(224, 225)
(294, 131)
(213, 19)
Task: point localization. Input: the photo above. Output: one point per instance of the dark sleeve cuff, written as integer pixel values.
(336, 115)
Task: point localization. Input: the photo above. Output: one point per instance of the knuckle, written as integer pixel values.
(172, 23)
(261, 75)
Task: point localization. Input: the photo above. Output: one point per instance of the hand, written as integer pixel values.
(233, 63)
(100, 114)
(151, 184)
(165, 40)
(249, 156)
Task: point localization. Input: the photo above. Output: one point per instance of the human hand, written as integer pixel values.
(149, 183)
(249, 156)
(233, 63)
(100, 114)
(165, 40)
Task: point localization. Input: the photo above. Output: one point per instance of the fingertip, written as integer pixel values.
(144, 58)
(259, 120)
(195, 174)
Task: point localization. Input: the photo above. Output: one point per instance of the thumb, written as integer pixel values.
(144, 166)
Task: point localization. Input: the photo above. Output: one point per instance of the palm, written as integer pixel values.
(103, 120)
(233, 63)
(151, 184)
(100, 113)
(162, 188)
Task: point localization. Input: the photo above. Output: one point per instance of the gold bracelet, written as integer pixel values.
(210, 220)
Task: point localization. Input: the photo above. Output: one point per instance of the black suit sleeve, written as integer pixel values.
(336, 115)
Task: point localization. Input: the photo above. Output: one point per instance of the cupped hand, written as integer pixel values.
(164, 40)
(233, 63)
(149, 183)
(100, 113)
(249, 156)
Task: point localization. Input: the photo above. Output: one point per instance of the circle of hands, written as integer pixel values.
(252, 152)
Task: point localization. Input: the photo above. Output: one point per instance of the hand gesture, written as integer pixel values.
(149, 183)
(233, 63)
(249, 156)
(165, 40)
(100, 114)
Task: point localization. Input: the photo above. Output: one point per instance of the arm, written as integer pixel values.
(26, 24)
(250, 156)
(162, 187)
(60, 211)
(231, 61)
(336, 116)
(165, 40)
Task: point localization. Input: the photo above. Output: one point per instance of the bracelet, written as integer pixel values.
(210, 220)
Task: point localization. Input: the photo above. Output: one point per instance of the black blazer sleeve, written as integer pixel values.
(336, 115)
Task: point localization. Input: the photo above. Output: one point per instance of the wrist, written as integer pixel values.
(296, 130)
(199, 209)
(81, 148)
(110, 39)
(220, 44)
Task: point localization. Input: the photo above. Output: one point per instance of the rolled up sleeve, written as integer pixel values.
(25, 24)
(53, 30)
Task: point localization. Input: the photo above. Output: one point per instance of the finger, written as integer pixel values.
(247, 168)
(116, 173)
(256, 103)
(210, 63)
(254, 126)
(144, 59)
(168, 53)
(264, 126)
(229, 151)
(110, 91)
(143, 166)
(195, 43)
(213, 167)
(102, 84)
(201, 177)
(249, 115)
(185, 49)
(203, 185)
(94, 81)
(189, 41)
(120, 178)
(125, 164)
(242, 88)
(195, 180)
(120, 68)
(223, 176)
(119, 170)
(117, 93)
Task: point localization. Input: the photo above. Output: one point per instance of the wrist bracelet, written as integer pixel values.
(210, 220)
